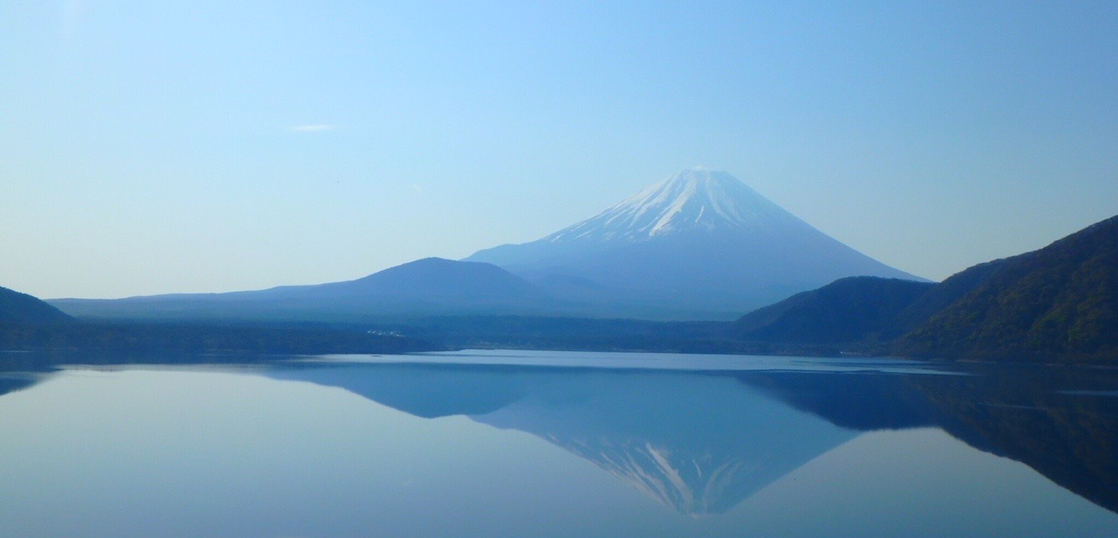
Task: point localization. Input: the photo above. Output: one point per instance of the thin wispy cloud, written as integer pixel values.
(316, 128)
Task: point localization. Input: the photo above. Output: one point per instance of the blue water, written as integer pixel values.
(549, 444)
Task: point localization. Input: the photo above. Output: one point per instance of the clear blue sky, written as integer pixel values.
(153, 147)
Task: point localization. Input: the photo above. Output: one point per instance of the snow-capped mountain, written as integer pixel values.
(699, 244)
(696, 199)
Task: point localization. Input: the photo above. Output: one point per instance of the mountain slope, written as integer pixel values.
(434, 281)
(21, 308)
(428, 286)
(943, 295)
(851, 309)
(1057, 302)
(699, 244)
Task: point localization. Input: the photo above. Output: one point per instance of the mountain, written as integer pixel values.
(943, 295)
(21, 308)
(1059, 302)
(852, 309)
(423, 287)
(433, 281)
(699, 245)
(1056, 303)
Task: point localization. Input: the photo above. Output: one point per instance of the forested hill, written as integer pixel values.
(1059, 302)
(21, 308)
(847, 310)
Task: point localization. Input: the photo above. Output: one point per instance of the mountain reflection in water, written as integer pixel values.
(703, 442)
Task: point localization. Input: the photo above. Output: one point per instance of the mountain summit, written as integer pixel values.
(696, 199)
(699, 244)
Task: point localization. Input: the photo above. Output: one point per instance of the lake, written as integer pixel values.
(559, 444)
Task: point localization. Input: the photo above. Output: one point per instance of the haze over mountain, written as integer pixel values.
(697, 244)
(427, 286)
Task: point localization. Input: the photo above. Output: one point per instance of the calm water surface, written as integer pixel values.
(549, 444)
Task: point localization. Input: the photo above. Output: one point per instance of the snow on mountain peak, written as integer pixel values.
(697, 198)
